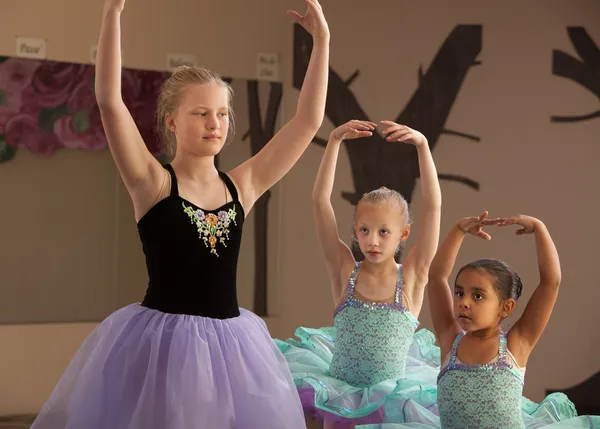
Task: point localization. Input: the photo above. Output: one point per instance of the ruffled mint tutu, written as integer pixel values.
(489, 396)
(329, 399)
(410, 402)
(371, 367)
(581, 422)
(556, 411)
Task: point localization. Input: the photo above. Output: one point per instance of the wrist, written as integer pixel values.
(458, 228)
(322, 38)
(334, 139)
(111, 8)
(537, 225)
(422, 145)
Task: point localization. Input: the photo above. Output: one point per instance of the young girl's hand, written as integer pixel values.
(402, 133)
(527, 223)
(313, 20)
(353, 130)
(474, 225)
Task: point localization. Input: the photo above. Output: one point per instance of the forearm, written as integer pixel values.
(548, 260)
(445, 258)
(108, 58)
(311, 102)
(325, 179)
(430, 185)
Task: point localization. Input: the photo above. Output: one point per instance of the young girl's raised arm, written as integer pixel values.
(526, 332)
(280, 154)
(441, 306)
(140, 171)
(417, 262)
(335, 251)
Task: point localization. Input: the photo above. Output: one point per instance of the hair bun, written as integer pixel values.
(518, 285)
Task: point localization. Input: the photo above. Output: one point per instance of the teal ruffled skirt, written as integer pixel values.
(325, 398)
(410, 402)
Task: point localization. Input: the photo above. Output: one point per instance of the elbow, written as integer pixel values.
(432, 210)
(104, 103)
(103, 99)
(433, 201)
(107, 102)
(435, 205)
(318, 199)
(436, 273)
(106, 97)
(310, 121)
(555, 282)
(320, 206)
(431, 195)
(436, 282)
(551, 281)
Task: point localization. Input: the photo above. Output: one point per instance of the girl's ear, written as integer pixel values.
(507, 307)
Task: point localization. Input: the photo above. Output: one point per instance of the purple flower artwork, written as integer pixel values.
(49, 105)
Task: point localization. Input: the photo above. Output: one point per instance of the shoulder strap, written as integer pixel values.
(352, 281)
(502, 347)
(230, 186)
(174, 187)
(455, 347)
(399, 284)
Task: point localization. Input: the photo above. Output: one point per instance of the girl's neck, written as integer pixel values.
(380, 269)
(197, 169)
(484, 334)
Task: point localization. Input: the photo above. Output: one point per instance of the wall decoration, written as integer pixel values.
(260, 133)
(376, 163)
(584, 71)
(585, 395)
(49, 105)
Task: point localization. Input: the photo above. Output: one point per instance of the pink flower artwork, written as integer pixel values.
(48, 105)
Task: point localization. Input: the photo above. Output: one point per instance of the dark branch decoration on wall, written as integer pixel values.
(584, 395)
(260, 133)
(375, 162)
(584, 71)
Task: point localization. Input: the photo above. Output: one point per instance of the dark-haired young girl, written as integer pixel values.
(480, 384)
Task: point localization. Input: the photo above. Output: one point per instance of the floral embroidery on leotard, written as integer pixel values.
(212, 229)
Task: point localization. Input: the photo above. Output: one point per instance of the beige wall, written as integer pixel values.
(524, 163)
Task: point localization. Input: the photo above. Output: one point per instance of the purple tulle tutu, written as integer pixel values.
(142, 368)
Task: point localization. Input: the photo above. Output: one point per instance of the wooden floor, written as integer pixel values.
(16, 422)
(24, 422)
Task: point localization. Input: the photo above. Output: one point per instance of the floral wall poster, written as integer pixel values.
(49, 105)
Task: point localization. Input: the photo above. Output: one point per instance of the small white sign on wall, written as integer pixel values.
(31, 47)
(178, 60)
(267, 67)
